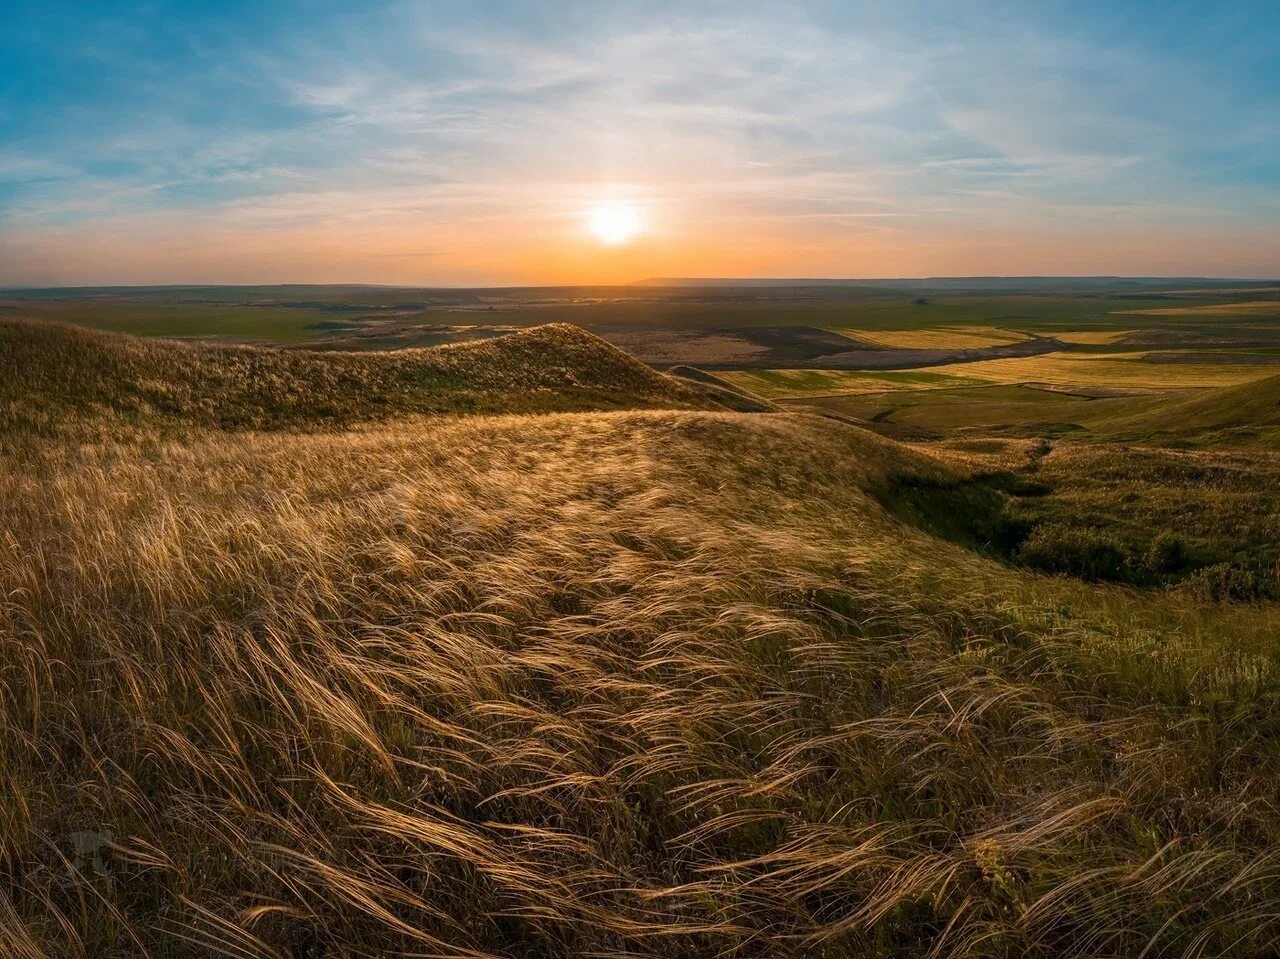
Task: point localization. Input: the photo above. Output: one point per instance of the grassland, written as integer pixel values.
(226, 322)
(566, 685)
(54, 378)
(521, 649)
(1117, 371)
(266, 311)
(1202, 519)
(984, 409)
(1245, 415)
(964, 337)
(790, 384)
(1122, 370)
(750, 327)
(1259, 308)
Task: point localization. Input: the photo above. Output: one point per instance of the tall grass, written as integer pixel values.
(654, 683)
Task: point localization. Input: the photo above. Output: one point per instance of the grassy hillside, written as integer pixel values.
(658, 682)
(1248, 414)
(54, 376)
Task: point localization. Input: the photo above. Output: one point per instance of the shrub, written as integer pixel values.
(1166, 554)
(1059, 548)
(1224, 581)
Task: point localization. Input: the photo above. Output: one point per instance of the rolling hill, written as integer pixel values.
(54, 376)
(1246, 414)
(660, 681)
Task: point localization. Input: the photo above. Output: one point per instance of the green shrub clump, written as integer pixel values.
(1225, 581)
(1075, 550)
(1166, 554)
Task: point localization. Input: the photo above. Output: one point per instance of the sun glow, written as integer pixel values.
(614, 224)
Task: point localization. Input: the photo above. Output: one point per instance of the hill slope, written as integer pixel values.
(1249, 414)
(53, 377)
(665, 683)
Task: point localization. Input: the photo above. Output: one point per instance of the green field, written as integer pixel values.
(228, 322)
(788, 384)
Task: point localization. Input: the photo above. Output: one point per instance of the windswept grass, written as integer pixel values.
(638, 683)
(662, 683)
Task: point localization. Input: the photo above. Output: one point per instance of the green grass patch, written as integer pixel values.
(778, 384)
(275, 324)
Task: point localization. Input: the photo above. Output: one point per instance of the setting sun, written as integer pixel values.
(614, 224)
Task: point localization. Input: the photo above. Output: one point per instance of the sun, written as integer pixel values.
(613, 224)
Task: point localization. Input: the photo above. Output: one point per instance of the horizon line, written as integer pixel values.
(670, 281)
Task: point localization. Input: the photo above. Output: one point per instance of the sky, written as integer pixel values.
(476, 143)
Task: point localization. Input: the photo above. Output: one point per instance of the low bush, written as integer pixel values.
(1059, 548)
(1225, 581)
(1166, 554)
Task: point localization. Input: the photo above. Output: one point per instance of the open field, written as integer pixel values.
(789, 384)
(1248, 414)
(1034, 331)
(1091, 337)
(962, 338)
(984, 409)
(671, 682)
(1119, 370)
(1259, 308)
(519, 647)
(231, 322)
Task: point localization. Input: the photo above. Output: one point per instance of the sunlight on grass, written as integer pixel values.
(952, 338)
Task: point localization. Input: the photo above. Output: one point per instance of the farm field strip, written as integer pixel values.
(1127, 371)
(943, 338)
(782, 384)
(1090, 337)
(1107, 369)
(1249, 308)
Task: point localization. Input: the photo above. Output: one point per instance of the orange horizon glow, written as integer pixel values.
(563, 252)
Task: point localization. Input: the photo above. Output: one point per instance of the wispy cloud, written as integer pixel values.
(849, 122)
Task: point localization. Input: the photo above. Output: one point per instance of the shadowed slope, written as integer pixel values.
(55, 377)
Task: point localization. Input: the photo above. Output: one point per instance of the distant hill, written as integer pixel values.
(970, 284)
(53, 377)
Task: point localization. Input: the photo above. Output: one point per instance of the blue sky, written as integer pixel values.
(468, 142)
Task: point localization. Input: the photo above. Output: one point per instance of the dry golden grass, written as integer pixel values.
(663, 683)
(1119, 370)
(944, 338)
(1250, 308)
(1091, 337)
